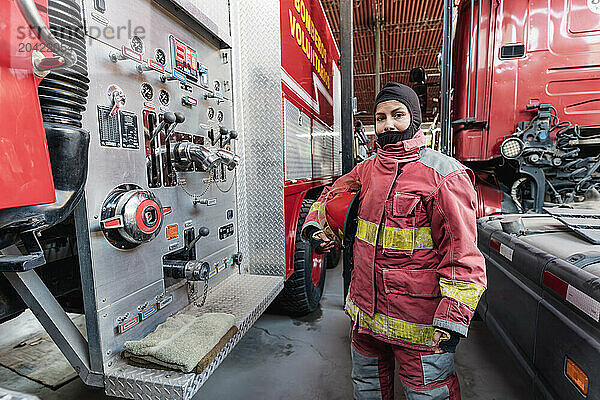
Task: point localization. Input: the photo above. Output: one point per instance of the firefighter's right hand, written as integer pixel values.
(321, 243)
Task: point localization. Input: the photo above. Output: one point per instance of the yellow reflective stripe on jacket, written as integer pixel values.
(394, 238)
(366, 231)
(464, 292)
(390, 327)
(407, 239)
(314, 207)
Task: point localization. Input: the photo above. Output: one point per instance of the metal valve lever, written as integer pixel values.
(191, 270)
(116, 57)
(202, 232)
(169, 119)
(179, 119)
(232, 136)
(224, 134)
(143, 68)
(166, 78)
(63, 56)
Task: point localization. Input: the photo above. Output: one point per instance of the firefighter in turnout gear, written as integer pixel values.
(418, 274)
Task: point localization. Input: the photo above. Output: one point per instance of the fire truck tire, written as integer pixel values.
(333, 258)
(300, 295)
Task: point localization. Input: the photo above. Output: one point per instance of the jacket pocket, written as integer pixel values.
(404, 204)
(400, 222)
(413, 282)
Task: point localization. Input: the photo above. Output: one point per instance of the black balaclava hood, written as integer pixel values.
(406, 96)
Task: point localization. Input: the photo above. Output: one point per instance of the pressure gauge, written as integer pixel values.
(164, 97)
(160, 56)
(137, 44)
(217, 86)
(220, 116)
(210, 113)
(147, 91)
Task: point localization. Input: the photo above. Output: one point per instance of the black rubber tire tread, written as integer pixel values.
(299, 296)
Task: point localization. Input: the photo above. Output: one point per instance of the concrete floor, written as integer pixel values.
(309, 358)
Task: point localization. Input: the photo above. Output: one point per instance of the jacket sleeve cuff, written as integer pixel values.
(308, 227)
(451, 326)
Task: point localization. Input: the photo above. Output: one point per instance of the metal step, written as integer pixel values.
(245, 296)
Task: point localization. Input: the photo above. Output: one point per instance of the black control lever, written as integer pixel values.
(202, 232)
(222, 132)
(168, 119)
(179, 118)
(232, 136)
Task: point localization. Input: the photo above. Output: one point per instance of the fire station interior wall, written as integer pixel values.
(322, 149)
(297, 143)
(257, 108)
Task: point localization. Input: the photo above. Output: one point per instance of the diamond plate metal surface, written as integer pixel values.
(245, 296)
(258, 118)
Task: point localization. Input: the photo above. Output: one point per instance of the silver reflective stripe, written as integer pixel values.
(365, 377)
(440, 393)
(437, 367)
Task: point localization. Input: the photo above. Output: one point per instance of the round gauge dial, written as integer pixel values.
(217, 86)
(220, 116)
(160, 56)
(164, 97)
(210, 112)
(147, 91)
(137, 44)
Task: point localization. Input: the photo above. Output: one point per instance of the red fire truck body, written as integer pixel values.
(525, 72)
(310, 86)
(526, 53)
(26, 177)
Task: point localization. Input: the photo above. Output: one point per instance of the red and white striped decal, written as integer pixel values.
(573, 295)
(501, 248)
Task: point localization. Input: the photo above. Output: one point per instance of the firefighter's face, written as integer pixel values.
(391, 115)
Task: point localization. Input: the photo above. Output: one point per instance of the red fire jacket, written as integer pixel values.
(416, 262)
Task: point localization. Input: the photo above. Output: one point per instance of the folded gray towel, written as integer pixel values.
(183, 341)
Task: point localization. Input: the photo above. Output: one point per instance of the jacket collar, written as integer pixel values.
(403, 151)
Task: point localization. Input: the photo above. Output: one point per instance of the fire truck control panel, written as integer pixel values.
(161, 192)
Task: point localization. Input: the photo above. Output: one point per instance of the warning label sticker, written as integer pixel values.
(506, 251)
(584, 302)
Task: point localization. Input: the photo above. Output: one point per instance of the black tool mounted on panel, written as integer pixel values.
(182, 263)
(224, 138)
(170, 120)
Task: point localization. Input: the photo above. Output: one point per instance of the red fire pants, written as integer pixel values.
(424, 374)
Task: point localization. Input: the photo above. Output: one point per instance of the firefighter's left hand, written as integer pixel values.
(327, 244)
(437, 335)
